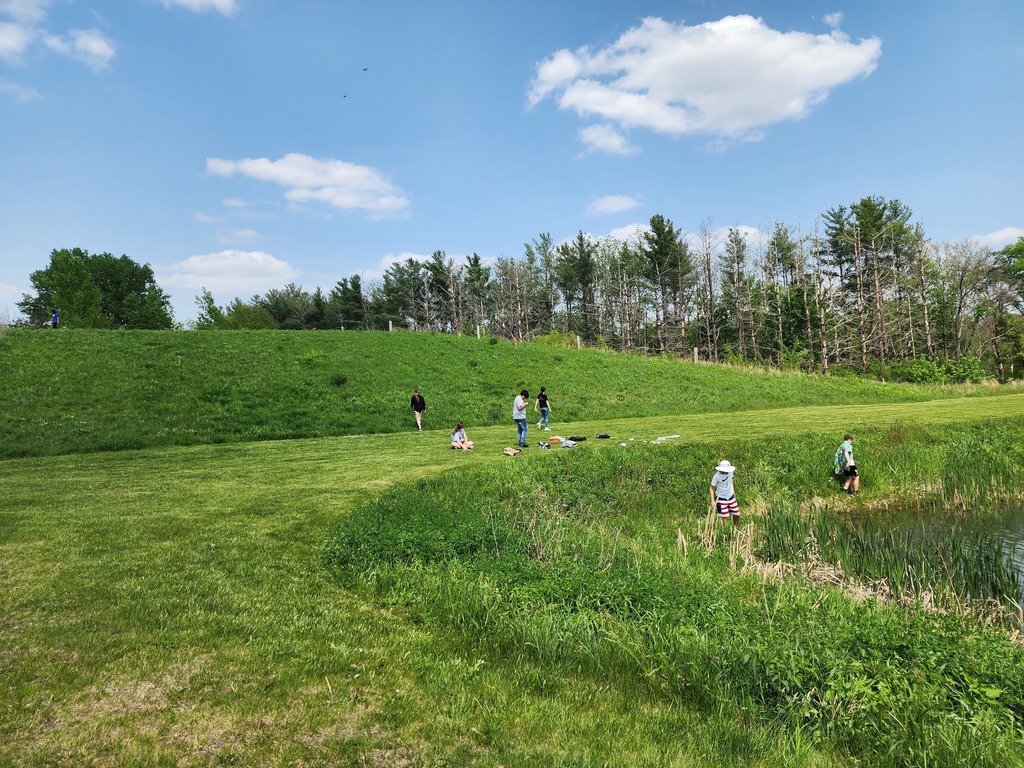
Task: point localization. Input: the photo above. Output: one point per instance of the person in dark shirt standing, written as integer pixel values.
(418, 405)
(545, 409)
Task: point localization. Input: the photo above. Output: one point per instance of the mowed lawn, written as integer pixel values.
(170, 607)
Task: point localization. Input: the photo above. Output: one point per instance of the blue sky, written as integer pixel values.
(240, 145)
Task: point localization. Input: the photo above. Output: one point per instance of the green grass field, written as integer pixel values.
(80, 391)
(175, 605)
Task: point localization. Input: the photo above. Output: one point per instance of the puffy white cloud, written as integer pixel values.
(227, 7)
(1000, 238)
(834, 20)
(612, 204)
(340, 184)
(89, 46)
(629, 232)
(377, 271)
(229, 273)
(14, 40)
(606, 138)
(727, 78)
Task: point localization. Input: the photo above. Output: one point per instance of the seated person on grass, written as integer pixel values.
(459, 438)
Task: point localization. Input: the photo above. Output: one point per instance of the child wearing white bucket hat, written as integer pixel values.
(723, 495)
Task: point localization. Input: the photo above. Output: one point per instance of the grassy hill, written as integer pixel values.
(386, 601)
(74, 390)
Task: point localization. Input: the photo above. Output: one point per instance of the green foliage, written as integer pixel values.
(569, 560)
(921, 370)
(97, 291)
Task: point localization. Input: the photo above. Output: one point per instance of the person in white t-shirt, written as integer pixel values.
(723, 495)
(519, 416)
(459, 439)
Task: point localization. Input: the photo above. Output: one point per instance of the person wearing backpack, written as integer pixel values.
(845, 463)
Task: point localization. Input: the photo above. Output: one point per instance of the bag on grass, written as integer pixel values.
(512, 452)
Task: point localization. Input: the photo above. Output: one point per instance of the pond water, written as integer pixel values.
(1006, 528)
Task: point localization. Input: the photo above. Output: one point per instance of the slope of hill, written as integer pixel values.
(73, 391)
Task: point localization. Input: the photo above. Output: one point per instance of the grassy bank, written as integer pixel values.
(172, 605)
(74, 391)
(603, 564)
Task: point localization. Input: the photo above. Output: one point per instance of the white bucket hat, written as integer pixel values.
(725, 467)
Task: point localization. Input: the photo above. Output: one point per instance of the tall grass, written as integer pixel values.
(573, 563)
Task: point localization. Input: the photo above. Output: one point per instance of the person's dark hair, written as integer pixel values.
(524, 393)
(542, 390)
(847, 437)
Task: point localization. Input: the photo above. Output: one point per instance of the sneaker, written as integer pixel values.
(547, 429)
(539, 423)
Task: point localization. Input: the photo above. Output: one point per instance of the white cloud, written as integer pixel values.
(377, 272)
(834, 20)
(10, 293)
(14, 40)
(25, 11)
(612, 204)
(1000, 238)
(227, 7)
(19, 92)
(629, 232)
(729, 78)
(89, 46)
(229, 273)
(238, 236)
(338, 183)
(605, 138)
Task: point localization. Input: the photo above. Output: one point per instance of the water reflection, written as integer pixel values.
(1004, 528)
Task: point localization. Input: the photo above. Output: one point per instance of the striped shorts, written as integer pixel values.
(728, 507)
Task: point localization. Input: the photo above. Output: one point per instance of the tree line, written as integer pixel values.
(863, 290)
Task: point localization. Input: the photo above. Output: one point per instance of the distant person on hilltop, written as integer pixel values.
(723, 495)
(519, 415)
(55, 320)
(418, 405)
(459, 439)
(545, 410)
